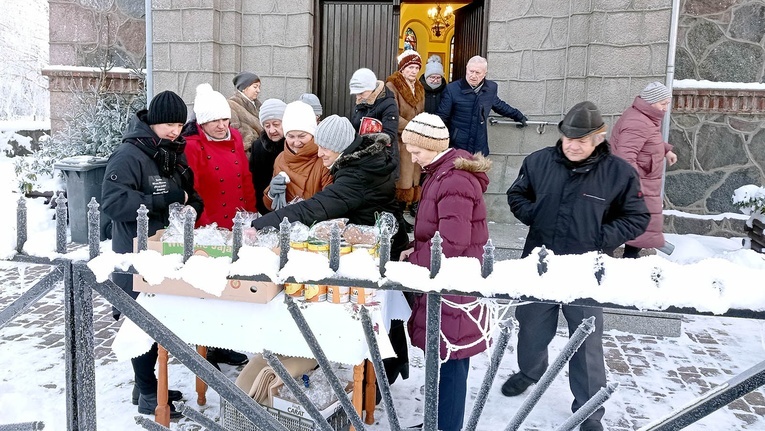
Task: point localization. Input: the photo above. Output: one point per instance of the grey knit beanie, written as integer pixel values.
(272, 109)
(335, 133)
(434, 66)
(312, 100)
(244, 80)
(362, 80)
(655, 92)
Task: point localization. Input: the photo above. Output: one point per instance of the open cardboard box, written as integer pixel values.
(259, 292)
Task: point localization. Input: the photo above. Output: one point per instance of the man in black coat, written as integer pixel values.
(148, 168)
(466, 105)
(576, 197)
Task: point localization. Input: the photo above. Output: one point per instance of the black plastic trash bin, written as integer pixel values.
(84, 175)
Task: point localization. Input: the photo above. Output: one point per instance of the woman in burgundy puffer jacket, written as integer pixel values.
(452, 204)
(637, 139)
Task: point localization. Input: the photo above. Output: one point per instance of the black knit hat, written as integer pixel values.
(166, 107)
(244, 80)
(582, 120)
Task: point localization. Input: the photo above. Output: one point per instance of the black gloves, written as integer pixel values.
(522, 122)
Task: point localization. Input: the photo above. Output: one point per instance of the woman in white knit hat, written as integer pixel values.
(298, 172)
(452, 204)
(637, 138)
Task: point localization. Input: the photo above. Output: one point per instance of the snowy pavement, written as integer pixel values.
(656, 374)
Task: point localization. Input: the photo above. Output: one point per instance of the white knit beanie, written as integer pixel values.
(209, 105)
(426, 131)
(299, 116)
(362, 80)
(335, 133)
(434, 66)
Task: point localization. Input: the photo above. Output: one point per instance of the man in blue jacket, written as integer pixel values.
(466, 104)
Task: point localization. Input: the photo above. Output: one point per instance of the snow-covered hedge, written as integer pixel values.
(750, 199)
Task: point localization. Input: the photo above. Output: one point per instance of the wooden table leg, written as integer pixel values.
(358, 386)
(201, 385)
(370, 395)
(162, 412)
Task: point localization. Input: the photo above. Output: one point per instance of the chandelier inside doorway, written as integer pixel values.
(441, 18)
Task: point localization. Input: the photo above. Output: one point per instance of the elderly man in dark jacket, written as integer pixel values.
(466, 105)
(149, 168)
(576, 197)
(452, 204)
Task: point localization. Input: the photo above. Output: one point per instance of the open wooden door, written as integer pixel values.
(352, 35)
(470, 35)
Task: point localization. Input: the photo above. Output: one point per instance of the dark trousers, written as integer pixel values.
(143, 368)
(587, 373)
(397, 337)
(452, 391)
(631, 252)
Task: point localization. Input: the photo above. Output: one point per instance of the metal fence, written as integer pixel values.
(80, 282)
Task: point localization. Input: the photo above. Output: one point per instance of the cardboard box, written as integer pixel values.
(259, 292)
(296, 409)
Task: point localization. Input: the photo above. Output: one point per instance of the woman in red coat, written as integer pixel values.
(216, 155)
(637, 139)
(452, 204)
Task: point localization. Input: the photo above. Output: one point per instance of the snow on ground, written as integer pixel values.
(32, 376)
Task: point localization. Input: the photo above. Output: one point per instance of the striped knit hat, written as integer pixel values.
(408, 57)
(426, 131)
(655, 92)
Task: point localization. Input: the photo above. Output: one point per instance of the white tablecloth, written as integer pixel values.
(248, 327)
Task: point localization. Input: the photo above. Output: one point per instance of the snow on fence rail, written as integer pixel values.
(540, 277)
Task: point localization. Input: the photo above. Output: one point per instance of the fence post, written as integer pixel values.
(542, 264)
(487, 266)
(600, 269)
(334, 247)
(284, 242)
(384, 251)
(21, 224)
(236, 240)
(85, 357)
(379, 367)
(61, 220)
(189, 218)
(70, 351)
(142, 237)
(94, 229)
(433, 341)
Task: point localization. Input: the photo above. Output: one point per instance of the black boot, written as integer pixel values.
(226, 356)
(147, 404)
(172, 395)
(516, 385)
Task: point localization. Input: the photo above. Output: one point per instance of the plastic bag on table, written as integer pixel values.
(212, 235)
(299, 232)
(174, 231)
(360, 234)
(322, 230)
(386, 219)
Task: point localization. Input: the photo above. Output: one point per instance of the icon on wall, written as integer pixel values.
(410, 39)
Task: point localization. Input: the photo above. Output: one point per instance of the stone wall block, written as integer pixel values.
(231, 59)
(701, 37)
(164, 80)
(575, 92)
(747, 22)
(185, 57)
(613, 99)
(558, 37)
(684, 65)
(597, 24)
(579, 29)
(299, 29)
(683, 147)
(659, 61)
(273, 86)
(258, 58)
(296, 86)
(251, 30)
(580, 6)
(526, 65)
(506, 64)
(188, 82)
(496, 173)
(498, 40)
(718, 146)
(684, 189)
(733, 62)
(197, 26)
(502, 10)
(161, 5)
(64, 54)
(230, 27)
(605, 60)
(757, 149)
(651, 4)
(230, 6)
(549, 64)
(528, 96)
(624, 28)
(555, 8)
(719, 200)
(73, 23)
(209, 58)
(611, 5)
(163, 32)
(503, 138)
(743, 125)
(273, 30)
(527, 33)
(132, 36)
(577, 61)
(191, 4)
(292, 62)
(655, 26)
(533, 141)
(497, 209)
(706, 7)
(262, 6)
(161, 56)
(554, 92)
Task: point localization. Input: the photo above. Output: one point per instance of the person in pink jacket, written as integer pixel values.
(637, 138)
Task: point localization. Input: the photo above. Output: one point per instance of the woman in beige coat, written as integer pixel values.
(245, 108)
(410, 98)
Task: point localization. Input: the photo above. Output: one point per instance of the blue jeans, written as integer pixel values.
(452, 391)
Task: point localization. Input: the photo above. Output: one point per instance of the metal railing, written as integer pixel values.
(541, 125)
(79, 283)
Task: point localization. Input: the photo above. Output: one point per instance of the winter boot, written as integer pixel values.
(226, 356)
(516, 385)
(147, 404)
(172, 395)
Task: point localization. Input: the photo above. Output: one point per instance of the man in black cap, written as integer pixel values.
(575, 197)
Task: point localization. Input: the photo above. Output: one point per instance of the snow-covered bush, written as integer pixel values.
(94, 128)
(750, 199)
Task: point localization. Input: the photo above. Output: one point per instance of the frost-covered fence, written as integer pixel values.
(542, 270)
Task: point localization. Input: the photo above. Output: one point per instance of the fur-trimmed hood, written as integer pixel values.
(477, 163)
(461, 160)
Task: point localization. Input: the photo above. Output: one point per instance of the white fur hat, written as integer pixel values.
(209, 105)
(299, 116)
